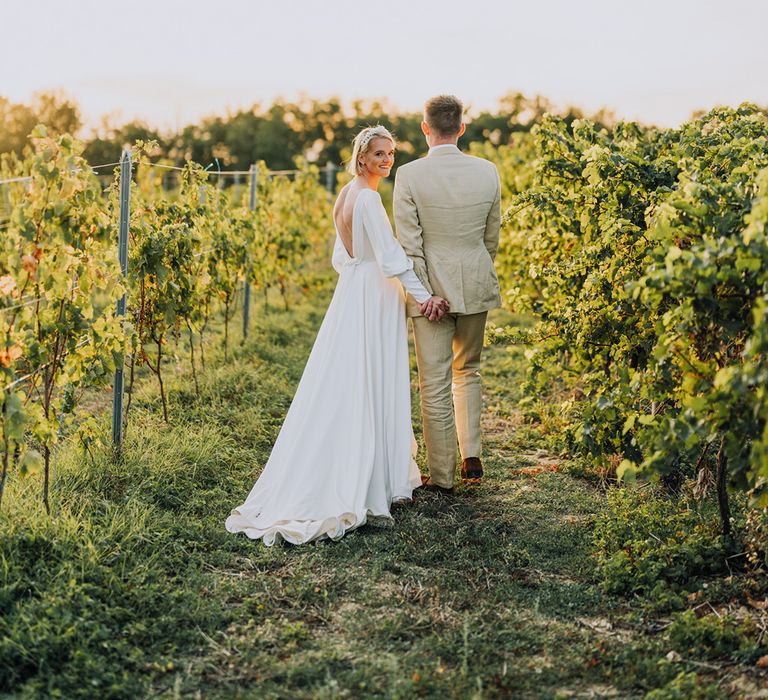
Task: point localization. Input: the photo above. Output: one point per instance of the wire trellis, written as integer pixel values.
(28, 300)
(212, 170)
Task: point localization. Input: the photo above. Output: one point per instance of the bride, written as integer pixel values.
(345, 451)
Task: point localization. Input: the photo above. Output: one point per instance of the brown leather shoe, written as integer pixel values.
(427, 485)
(471, 470)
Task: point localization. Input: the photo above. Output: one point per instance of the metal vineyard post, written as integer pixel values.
(247, 283)
(125, 205)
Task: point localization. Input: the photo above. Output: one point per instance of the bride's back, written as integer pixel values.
(343, 211)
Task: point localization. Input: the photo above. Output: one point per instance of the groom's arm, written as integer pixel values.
(493, 221)
(408, 228)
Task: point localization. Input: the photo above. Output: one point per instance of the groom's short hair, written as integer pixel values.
(443, 115)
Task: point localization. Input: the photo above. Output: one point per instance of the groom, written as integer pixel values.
(447, 210)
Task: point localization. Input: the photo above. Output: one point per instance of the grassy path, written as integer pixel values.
(134, 589)
(486, 594)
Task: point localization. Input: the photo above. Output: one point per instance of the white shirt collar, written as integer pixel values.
(442, 145)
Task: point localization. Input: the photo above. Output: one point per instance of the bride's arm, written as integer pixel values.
(389, 253)
(413, 285)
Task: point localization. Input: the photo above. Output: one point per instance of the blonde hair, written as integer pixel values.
(361, 143)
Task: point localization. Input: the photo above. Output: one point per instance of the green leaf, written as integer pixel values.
(744, 264)
(31, 462)
(627, 471)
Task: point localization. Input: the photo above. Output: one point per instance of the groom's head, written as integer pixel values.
(443, 119)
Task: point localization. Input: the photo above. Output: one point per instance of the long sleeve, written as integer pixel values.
(409, 232)
(388, 252)
(413, 286)
(493, 222)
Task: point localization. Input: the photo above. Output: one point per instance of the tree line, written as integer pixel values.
(320, 131)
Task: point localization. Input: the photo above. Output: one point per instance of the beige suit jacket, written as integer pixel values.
(447, 210)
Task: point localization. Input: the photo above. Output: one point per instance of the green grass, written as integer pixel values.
(134, 589)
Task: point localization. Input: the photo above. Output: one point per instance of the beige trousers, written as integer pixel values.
(448, 356)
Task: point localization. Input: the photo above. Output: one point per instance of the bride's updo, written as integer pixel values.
(361, 143)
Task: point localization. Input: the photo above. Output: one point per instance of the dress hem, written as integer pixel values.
(295, 531)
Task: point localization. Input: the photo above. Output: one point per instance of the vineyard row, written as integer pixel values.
(74, 315)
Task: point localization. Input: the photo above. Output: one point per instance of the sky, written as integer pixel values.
(171, 62)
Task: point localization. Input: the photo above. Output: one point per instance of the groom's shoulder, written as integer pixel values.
(478, 162)
(481, 169)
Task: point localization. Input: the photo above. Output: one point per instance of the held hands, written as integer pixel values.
(434, 308)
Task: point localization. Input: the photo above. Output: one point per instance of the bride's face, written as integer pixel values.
(379, 158)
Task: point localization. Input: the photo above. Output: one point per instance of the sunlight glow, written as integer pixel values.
(171, 62)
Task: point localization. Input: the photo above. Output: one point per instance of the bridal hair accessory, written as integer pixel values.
(366, 135)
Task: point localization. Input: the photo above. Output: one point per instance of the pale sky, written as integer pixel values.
(170, 62)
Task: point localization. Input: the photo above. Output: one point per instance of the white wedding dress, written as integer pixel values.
(345, 451)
